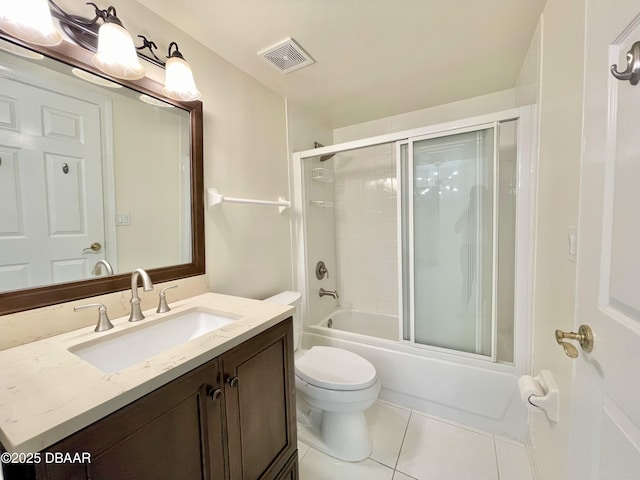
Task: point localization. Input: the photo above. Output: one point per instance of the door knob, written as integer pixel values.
(584, 338)
(94, 247)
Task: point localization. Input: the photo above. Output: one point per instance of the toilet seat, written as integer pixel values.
(335, 369)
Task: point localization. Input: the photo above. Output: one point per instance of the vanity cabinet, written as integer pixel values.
(259, 391)
(232, 418)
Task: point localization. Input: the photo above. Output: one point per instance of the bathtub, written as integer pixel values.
(368, 324)
(469, 391)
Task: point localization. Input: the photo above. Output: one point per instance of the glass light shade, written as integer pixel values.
(116, 54)
(179, 83)
(29, 20)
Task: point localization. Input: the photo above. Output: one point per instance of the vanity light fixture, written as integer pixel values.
(179, 83)
(29, 20)
(116, 55)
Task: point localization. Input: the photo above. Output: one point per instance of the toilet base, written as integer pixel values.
(344, 436)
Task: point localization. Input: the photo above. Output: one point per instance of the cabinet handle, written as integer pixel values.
(214, 393)
(232, 382)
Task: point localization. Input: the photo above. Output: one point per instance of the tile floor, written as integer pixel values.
(409, 445)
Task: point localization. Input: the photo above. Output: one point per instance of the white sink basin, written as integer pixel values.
(134, 345)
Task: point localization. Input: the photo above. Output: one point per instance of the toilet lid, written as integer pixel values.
(335, 369)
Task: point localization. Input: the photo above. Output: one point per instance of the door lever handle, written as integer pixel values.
(94, 247)
(584, 338)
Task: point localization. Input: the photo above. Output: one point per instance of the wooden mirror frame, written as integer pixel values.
(27, 299)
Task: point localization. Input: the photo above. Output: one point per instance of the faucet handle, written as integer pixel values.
(163, 307)
(321, 270)
(103, 319)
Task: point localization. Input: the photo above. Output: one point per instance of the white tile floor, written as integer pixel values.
(409, 445)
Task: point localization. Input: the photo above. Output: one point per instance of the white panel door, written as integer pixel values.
(50, 187)
(605, 436)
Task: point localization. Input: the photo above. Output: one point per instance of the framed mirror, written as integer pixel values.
(98, 177)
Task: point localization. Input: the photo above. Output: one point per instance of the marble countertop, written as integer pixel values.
(47, 393)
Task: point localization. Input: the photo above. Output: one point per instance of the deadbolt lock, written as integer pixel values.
(584, 338)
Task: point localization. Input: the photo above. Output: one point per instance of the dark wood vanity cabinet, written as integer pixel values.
(232, 418)
(260, 404)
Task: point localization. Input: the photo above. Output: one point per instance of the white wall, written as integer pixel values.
(560, 137)
(527, 89)
(245, 155)
(471, 107)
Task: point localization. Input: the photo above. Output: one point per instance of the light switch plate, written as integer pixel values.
(123, 219)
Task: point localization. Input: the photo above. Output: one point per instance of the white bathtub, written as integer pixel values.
(377, 325)
(470, 391)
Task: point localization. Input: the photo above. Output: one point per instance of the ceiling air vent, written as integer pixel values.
(287, 56)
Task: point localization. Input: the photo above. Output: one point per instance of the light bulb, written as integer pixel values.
(116, 54)
(179, 83)
(29, 20)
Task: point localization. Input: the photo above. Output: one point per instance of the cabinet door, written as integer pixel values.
(173, 433)
(260, 404)
(290, 471)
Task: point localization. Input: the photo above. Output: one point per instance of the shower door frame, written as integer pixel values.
(525, 225)
(406, 261)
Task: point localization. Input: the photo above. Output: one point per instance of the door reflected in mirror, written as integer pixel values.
(91, 173)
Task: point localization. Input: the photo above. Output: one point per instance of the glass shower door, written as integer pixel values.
(450, 183)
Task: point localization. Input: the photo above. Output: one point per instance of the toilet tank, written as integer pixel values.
(295, 300)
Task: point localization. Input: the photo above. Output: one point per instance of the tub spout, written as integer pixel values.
(328, 293)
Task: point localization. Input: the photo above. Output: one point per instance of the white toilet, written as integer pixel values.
(334, 388)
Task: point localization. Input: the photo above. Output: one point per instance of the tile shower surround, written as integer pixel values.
(366, 229)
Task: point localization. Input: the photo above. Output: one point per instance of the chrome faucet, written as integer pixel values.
(136, 311)
(328, 293)
(100, 265)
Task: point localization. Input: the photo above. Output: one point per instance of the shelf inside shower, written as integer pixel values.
(321, 204)
(321, 174)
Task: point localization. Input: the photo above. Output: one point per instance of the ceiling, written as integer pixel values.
(374, 58)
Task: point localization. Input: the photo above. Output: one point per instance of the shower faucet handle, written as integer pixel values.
(321, 270)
